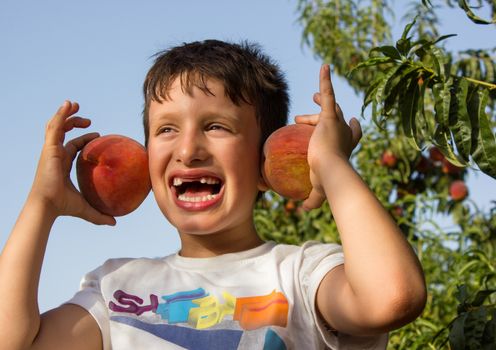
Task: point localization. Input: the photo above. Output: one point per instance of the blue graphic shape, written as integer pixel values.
(176, 307)
(273, 341)
(189, 338)
(175, 312)
(163, 311)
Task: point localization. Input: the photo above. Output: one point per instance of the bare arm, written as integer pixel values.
(381, 285)
(52, 195)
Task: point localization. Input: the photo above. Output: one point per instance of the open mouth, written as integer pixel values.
(196, 190)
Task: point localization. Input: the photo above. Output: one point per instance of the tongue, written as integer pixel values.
(198, 190)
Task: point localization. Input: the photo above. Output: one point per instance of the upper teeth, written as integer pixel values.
(204, 180)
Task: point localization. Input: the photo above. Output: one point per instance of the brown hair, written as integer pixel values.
(247, 74)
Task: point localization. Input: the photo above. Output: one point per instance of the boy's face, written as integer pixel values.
(204, 160)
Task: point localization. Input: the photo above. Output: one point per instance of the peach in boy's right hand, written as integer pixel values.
(113, 175)
(52, 184)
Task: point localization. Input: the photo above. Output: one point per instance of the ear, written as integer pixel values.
(262, 184)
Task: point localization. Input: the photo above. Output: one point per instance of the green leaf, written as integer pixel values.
(443, 37)
(403, 46)
(408, 27)
(461, 294)
(408, 112)
(489, 335)
(442, 101)
(489, 69)
(484, 154)
(397, 84)
(421, 44)
(473, 17)
(457, 335)
(370, 93)
(374, 61)
(467, 266)
(481, 296)
(442, 139)
(483, 257)
(459, 119)
(439, 61)
(473, 112)
(421, 47)
(425, 123)
(388, 51)
(474, 327)
(379, 95)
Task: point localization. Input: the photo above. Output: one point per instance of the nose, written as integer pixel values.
(191, 148)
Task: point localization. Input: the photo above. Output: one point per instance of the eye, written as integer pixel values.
(216, 127)
(165, 130)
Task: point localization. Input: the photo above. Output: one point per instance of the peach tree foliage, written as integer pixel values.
(421, 98)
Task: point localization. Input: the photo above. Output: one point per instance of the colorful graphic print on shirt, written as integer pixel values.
(185, 314)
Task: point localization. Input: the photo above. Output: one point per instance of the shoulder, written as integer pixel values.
(308, 263)
(124, 266)
(307, 245)
(312, 250)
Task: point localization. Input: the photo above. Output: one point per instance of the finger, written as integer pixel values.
(76, 122)
(54, 133)
(314, 200)
(356, 131)
(95, 217)
(316, 98)
(75, 145)
(311, 119)
(327, 97)
(339, 113)
(75, 108)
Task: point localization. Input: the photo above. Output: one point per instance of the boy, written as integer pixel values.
(209, 106)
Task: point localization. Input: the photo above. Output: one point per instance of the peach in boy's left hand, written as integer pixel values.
(285, 167)
(332, 141)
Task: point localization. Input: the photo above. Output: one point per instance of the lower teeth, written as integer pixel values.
(184, 198)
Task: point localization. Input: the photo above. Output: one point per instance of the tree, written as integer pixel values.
(433, 114)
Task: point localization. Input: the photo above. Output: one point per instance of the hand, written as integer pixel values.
(332, 141)
(52, 184)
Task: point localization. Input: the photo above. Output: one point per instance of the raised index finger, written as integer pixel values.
(327, 98)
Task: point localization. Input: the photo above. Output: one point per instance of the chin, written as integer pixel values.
(196, 226)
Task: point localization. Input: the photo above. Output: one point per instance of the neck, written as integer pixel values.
(214, 244)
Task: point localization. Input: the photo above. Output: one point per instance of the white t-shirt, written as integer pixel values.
(262, 298)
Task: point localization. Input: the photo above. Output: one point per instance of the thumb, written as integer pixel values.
(95, 217)
(356, 132)
(314, 200)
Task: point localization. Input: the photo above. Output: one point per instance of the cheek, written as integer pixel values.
(247, 164)
(157, 163)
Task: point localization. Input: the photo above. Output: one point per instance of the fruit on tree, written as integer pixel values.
(389, 159)
(423, 165)
(458, 190)
(285, 169)
(290, 206)
(435, 154)
(112, 174)
(397, 211)
(449, 168)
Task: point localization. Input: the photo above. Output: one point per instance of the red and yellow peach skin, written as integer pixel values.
(286, 170)
(112, 173)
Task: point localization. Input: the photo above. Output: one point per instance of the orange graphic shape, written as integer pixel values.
(262, 311)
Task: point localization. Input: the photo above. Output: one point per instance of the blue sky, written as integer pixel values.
(97, 53)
